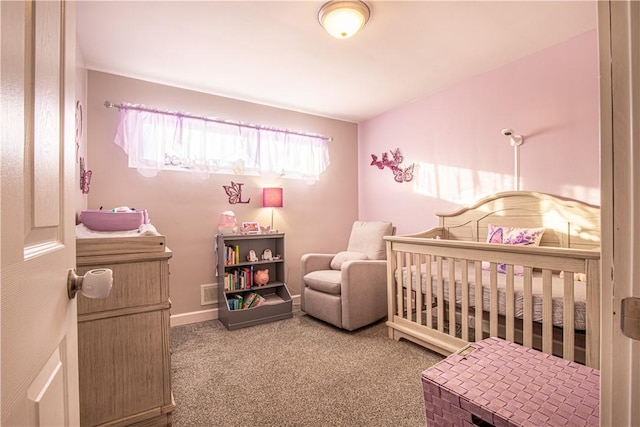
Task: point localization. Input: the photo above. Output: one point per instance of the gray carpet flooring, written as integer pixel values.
(296, 372)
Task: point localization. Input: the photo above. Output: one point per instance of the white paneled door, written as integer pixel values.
(39, 369)
(619, 43)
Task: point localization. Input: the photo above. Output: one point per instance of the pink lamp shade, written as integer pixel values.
(272, 198)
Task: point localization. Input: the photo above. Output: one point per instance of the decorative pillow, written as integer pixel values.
(341, 257)
(512, 236)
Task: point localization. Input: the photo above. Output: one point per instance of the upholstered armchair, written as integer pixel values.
(349, 289)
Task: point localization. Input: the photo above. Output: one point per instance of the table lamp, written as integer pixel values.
(272, 198)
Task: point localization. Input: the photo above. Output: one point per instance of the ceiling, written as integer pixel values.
(276, 53)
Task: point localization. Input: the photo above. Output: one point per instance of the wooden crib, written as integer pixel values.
(553, 305)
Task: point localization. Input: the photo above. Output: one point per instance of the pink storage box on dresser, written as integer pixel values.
(495, 382)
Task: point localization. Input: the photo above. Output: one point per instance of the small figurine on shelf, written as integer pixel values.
(266, 255)
(252, 256)
(261, 277)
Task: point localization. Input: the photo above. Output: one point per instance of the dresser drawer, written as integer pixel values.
(134, 285)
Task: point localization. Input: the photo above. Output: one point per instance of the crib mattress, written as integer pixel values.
(580, 292)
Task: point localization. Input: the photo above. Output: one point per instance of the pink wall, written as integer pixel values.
(454, 138)
(315, 218)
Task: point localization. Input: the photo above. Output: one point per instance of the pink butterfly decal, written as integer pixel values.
(376, 162)
(403, 175)
(400, 174)
(397, 157)
(265, 230)
(234, 191)
(85, 177)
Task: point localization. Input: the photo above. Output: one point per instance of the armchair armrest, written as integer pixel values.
(314, 262)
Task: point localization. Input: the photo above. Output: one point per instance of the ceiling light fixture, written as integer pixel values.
(342, 19)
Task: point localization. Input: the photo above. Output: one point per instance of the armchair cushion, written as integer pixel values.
(367, 238)
(341, 257)
(327, 281)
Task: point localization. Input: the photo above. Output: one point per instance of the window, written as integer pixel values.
(155, 140)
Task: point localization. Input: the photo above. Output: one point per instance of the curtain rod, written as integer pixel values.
(109, 104)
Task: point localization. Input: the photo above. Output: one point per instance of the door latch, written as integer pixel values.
(630, 317)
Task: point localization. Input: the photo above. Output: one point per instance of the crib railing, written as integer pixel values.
(445, 317)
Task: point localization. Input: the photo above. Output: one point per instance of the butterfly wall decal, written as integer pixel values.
(403, 175)
(234, 191)
(85, 177)
(266, 229)
(400, 174)
(397, 157)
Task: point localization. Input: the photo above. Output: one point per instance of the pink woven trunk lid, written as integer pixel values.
(505, 384)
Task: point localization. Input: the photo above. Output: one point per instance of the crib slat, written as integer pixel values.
(400, 269)
(547, 312)
(440, 293)
(465, 300)
(527, 309)
(408, 291)
(452, 296)
(493, 300)
(510, 309)
(568, 318)
(392, 284)
(478, 301)
(417, 259)
(429, 294)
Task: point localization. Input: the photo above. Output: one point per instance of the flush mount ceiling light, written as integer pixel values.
(342, 19)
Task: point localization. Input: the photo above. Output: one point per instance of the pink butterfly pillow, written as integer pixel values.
(512, 236)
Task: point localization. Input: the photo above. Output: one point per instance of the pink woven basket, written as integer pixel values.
(497, 383)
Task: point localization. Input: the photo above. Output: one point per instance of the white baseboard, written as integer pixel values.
(193, 317)
(211, 314)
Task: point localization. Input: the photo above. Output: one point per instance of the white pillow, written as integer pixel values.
(341, 257)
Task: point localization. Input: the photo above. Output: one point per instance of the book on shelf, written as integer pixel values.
(259, 301)
(228, 255)
(245, 301)
(252, 299)
(238, 279)
(249, 300)
(232, 255)
(235, 302)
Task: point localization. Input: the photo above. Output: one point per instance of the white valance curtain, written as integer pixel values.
(156, 140)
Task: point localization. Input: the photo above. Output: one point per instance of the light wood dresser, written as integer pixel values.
(124, 340)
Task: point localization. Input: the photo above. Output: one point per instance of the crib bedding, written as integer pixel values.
(580, 291)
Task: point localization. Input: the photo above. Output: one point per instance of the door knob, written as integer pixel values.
(94, 284)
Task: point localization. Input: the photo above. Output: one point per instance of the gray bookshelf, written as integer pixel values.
(278, 303)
